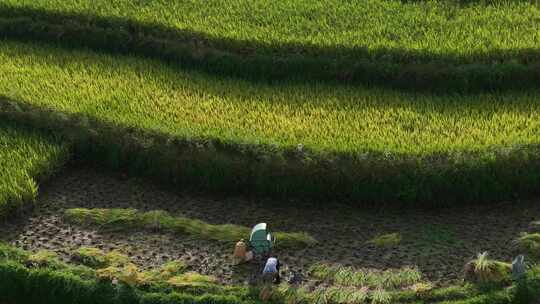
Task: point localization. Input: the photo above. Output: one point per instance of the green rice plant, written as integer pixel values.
(191, 279)
(292, 294)
(421, 288)
(484, 270)
(359, 296)
(162, 274)
(380, 296)
(43, 258)
(107, 218)
(319, 296)
(341, 295)
(25, 158)
(321, 271)
(8, 252)
(390, 279)
(344, 276)
(91, 257)
(403, 277)
(370, 30)
(97, 258)
(23, 282)
(125, 219)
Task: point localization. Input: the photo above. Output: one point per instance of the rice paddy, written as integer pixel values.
(296, 106)
(449, 30)
(146, 94)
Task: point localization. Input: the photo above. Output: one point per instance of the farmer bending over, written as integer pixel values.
(271, 271)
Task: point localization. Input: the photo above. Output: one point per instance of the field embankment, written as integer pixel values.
(432, 45)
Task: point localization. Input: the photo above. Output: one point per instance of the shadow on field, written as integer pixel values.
(254, 61)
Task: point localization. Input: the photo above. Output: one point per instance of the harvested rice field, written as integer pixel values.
(438, 243)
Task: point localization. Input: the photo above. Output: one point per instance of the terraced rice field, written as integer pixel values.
(445, 30)
(333, 121)
(147, 94)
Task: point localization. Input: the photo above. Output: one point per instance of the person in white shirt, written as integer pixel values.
(271, 271)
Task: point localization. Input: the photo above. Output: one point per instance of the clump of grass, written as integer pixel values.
(322, 271)
(125, 219)
(358, 296)
(91, 257)
(128, 274)
(191, 279)
(380, 296)
(484, 270)
(116, 258)
(421, 288)
(97, 258)
(349, 277)
(43, 258)
(386, 240)
(8, 252)
(530, 243)
(162, 274)
(113, 219)
(292, 294)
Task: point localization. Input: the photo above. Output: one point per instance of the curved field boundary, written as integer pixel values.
(375, 179)
(26, 157)
(396, 68)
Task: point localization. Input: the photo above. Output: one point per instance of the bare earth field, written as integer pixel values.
(439, 242)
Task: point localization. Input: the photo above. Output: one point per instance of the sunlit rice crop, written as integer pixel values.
(426, 28)
(149, 95)
(24, 157)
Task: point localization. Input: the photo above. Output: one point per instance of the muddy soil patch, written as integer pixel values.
(439, 243)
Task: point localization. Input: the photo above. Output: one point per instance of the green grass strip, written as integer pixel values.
(125, 219)
(377, 42)
(25, 158)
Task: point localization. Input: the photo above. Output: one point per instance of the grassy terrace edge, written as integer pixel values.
(375, 179)
(499, 70)
(52, 281)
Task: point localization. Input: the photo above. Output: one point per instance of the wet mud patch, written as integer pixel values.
(439, 243)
